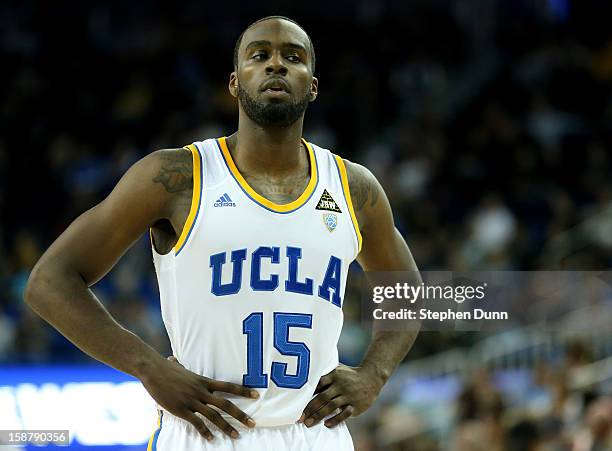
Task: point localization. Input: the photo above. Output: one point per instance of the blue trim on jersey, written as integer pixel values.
(254, 200)
(346, 202)
(195, 220)
(156, 436)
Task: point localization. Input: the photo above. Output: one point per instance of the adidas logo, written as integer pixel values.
(224, 201)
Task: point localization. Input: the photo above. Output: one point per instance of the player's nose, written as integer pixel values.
(276, 65)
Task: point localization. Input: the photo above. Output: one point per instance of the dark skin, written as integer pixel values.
(156, 193)
(272, 159)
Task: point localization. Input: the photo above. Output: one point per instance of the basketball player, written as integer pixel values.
(252, 236)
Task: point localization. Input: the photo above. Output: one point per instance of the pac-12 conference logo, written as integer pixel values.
(327, 202)
(331, 221)
(224, 201)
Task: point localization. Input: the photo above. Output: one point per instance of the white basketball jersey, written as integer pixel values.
(252, 292)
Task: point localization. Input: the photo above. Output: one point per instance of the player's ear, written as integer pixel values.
(314, 89)
(233, 84)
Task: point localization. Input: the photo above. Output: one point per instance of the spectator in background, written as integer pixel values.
(480, 410)
(492, 229)
(8, 334)
(596, 435)
(524, 436)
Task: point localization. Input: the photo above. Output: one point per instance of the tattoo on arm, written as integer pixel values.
(176, 173)
(362, 188)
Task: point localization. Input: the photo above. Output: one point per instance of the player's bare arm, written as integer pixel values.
(154, 192)
(353, 390)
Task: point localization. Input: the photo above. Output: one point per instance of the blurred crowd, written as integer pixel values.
(546, 408)
(488, 123)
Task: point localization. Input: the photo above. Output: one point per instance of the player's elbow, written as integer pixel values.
(39, 283)
(32, 291)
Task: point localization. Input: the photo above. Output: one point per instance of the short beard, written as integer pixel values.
(281, 114)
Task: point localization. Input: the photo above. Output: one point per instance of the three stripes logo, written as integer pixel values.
(224, 201)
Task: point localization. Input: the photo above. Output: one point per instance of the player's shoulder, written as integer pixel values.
(357, 173)
(160, 177)
(172, 156)
(364, 191)
(362, 183)
(171, 169)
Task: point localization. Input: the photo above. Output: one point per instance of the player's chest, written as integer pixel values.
(231, 219)
(280, 192)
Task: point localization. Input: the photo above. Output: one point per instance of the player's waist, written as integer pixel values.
(262, 420)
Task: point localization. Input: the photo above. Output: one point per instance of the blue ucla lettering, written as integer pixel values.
(331, 281)
(294, 254)
(216, 263)
(257, 283)
(328, 290)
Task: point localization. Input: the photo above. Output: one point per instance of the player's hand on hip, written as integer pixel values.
(352, 390)
(184, 394)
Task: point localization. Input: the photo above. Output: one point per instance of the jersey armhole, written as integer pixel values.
(347, 197)
(152, 241)
(196, 199)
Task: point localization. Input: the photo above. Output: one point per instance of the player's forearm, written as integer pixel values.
(390, 265)
(387, 349)
(62, 298)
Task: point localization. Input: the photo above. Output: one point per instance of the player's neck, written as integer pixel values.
(274, 151)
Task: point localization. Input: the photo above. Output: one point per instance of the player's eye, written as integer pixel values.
(293, 58)
(259, 55)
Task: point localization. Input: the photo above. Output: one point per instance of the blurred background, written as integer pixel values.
(488, 122)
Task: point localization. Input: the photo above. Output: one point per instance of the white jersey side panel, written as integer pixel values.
(253, 292)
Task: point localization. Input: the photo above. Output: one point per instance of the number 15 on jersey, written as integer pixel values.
(252, 327)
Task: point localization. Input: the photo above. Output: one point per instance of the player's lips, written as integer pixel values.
(276, 85)
(276, 93)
